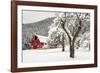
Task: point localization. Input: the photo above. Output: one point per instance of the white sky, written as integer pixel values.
(34, 16)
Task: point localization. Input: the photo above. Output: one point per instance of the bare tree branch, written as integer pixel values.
(66, 29)
(79, 28)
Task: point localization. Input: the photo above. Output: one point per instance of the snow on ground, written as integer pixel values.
(53, 55)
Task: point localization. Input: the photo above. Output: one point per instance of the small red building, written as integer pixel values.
(40, 42)
(36, 43)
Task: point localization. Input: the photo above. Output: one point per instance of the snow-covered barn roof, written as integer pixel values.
(42, 38)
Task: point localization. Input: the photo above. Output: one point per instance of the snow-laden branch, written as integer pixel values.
(63, 22)
(66, 29)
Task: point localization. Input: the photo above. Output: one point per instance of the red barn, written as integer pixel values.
(37, 42)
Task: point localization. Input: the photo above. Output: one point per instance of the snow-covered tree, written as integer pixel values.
(75, 25)
(56, 34)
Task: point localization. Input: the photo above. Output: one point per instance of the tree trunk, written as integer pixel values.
(71, 43)
(63, 48)
(72, 49)
(63, 45)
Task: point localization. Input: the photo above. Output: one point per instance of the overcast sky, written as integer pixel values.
(34, 16)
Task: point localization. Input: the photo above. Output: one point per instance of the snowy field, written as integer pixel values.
(53, 55)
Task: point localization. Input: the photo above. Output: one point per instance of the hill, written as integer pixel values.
(40, 27)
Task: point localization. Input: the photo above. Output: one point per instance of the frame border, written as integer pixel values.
(46, 4)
